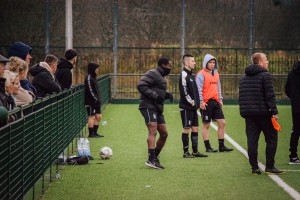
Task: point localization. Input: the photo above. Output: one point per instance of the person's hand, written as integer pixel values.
(221, 103)
(160, 99)
(203, 106)
(275, 117)
(169, 96)
(193, 103)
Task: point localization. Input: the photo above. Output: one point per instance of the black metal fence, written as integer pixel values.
(126, 87)
(135, 60)
(30, 145)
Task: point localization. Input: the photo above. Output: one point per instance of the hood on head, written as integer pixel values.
(92, 68)
(207, 58)
(296, 67)
(19, 49)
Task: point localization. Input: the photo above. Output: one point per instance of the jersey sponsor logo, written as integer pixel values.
(154, 116)
(191, 80)
(213, 82)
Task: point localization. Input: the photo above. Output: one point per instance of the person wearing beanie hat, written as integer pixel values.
(63, 73)
(92, 100)
(20, 50)
(23, 51)
(3, 62)
(153, 89)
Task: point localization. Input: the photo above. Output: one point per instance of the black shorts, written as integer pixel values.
(150, 115)
(189, 118)
(93, 110)
(213, 111)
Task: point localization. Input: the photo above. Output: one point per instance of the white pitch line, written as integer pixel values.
(291, 191)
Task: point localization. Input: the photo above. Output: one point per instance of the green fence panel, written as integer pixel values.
(43, 130)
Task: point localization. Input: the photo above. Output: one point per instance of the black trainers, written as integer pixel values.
(93, 136)
(154, 164)
(198, 154)
(294, 161)
(211, 150)
(256, 172)
(98, 135)
(225, 149)
(188, 155)
(273, 171)
(158, 163)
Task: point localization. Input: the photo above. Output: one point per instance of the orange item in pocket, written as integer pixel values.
(276, 125)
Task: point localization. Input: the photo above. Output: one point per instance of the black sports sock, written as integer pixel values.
(185, 142)
(207, 144)
(91, 131)
(151, 154)
(221, 142)
(194, 139)
(96, 129)
(157, 152)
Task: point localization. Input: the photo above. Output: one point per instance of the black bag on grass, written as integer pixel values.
(78, 160)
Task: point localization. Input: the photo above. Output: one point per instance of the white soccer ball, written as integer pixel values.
(105, 153)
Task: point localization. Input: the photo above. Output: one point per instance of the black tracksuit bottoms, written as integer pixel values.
(295, 135)
(254, 126)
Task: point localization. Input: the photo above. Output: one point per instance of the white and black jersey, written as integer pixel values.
(189, 96)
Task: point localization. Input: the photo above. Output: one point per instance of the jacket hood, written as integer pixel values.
(35, 69)
(92, 69)
(296, 67)
(252, 70)
(19, 49)
(207, 58)
(63, 63)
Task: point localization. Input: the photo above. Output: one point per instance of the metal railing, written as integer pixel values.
(30, 145)
(126, 86)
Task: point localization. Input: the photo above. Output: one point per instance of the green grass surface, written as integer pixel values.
(220, 176)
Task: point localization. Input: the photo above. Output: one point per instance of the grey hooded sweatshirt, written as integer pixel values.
(200, 77)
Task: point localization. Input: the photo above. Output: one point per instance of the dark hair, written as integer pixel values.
(50, 59)
(70, 54)
(187, 56)
(163, 61)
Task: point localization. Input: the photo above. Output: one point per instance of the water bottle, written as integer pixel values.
(80, 146)
(86, 147)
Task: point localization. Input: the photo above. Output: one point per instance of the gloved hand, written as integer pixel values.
(169, 96)
(160, 99)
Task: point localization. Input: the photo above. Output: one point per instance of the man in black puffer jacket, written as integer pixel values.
(153, 88)
(292, 90)
(258, 106)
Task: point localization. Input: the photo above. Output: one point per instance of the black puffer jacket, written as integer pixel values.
(152, 85)
(256, 93)
(63, 74)
(188, 91)
(292, 87)
(43, 81)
